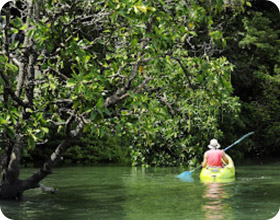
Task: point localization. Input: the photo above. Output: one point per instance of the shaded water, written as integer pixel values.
(125, 193)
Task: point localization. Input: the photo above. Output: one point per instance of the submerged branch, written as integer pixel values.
(47, 189)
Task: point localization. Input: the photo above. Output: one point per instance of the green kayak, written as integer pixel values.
(226, 174)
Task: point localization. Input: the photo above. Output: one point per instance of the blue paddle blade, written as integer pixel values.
(186, 176)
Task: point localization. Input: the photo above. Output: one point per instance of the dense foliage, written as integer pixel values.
(149, 82)
(250, 41)
(254, 50)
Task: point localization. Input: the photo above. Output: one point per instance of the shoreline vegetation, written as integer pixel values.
(148, 83)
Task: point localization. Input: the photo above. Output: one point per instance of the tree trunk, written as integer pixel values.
(11, 191)
(12, 188)
(10, 185)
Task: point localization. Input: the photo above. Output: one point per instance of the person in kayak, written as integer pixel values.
(214, 157)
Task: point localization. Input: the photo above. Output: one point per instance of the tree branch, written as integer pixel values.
(26, 44)
(185, 71)
(5, 33)
(11, 92)
(33, 181)
(165, 102)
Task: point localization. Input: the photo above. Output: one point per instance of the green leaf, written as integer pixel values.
(59, 128)
(45, 130)
(248, 4)
(142, 8)
(31, 142)
(99, 104)
(100, 112)
(93, 115)
(3, 121)
(12, 67)
(87, 58)
(107, 111)
(87, 128)
(10, 132)
(71, 83)
(24, 27)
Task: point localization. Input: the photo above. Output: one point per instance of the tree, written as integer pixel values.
(141, 69)
(57, 80)
(254, 50)
(191, 89)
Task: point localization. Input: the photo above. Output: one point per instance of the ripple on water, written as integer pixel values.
(125, 193)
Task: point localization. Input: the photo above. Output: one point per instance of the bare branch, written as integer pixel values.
(61, 75)
(26, 44)
(163, 99)
(5, 33)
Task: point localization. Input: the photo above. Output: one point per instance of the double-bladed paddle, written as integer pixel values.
(187, 174)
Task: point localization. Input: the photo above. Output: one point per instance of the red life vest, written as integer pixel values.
(214, 158)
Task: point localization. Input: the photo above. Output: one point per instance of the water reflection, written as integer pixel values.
(125, 193)
(217, 204)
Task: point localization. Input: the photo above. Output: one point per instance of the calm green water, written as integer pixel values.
(125, 193)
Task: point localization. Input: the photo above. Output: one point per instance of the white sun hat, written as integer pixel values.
(214, 144)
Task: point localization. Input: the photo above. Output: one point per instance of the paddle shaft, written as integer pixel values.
(236, 142)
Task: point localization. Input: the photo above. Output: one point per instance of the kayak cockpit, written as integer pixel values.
(219, 174)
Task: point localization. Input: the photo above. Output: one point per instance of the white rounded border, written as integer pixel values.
(3, 2)
(276, 2)
(2, 216)
(277, 216)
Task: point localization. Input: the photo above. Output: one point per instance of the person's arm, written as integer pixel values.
(204, 162)
(225, 159)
